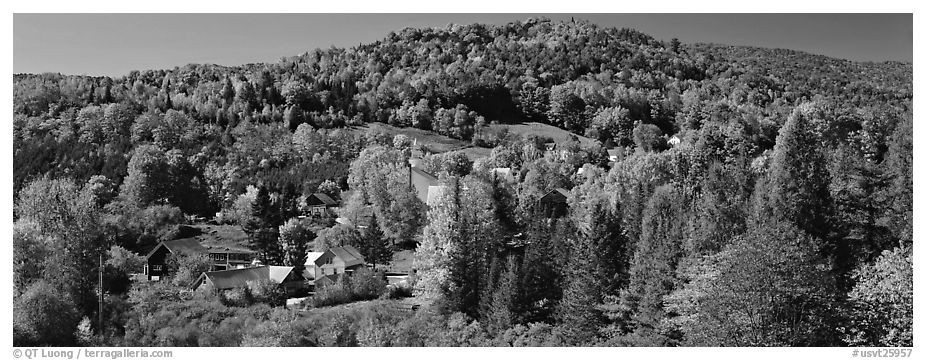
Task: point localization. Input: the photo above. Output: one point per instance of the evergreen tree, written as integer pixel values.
(899, 167)
(504, 298)
(374, 245)
(579, 311)
(652, 273)
(797, 178)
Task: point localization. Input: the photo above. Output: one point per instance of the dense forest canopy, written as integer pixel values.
(736, 166)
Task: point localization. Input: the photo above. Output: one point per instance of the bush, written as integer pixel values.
(398, 291)
(334, 294)
(367, 285)
(237, 297)
(363, 284)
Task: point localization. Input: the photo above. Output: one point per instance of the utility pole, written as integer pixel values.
(100, 310)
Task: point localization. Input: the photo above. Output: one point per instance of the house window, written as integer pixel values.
(157, 268)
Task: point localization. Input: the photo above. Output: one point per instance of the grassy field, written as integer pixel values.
(402, 261)
(222, 236)
(544, 130)
(433, 141)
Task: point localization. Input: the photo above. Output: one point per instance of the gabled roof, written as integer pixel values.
(311, 256)
(188, 245)
(422, 182)
(426, 176)
(612, 152)
(348, 254)
(558, 194)
(228, 279)
(323, 199)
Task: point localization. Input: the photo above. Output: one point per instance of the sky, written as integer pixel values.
(115, 44)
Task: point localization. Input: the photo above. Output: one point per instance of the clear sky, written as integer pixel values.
(114, 44)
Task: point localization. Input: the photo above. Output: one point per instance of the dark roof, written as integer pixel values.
(558, 195)
(228, 279)
(322, 199)
(188, 245)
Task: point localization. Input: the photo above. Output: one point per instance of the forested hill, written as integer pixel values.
(561, 73)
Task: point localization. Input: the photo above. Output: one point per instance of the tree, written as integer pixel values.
(70, 220)
(43, 316)
(185, 267)
(882, 312)
(373, 244)
(578, 310)
(101, 189)
(504, 300)
(652, 273)
(263, 228)
(797, 178)
(338, 235)
(567, 109)
(613, 123)
(295, 236)
(30, 246)
(899, 167)
(770, 288)
(648, 137)
(432, 258)
(148, 179)
(330, 188)
(120, 264)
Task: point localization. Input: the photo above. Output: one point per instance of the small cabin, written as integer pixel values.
(320, 204)
(554, 203)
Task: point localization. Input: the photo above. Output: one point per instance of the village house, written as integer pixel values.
(334, 261)
(216, 281)
(553, 204)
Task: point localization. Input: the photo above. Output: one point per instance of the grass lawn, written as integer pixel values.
(538, 129)
(402, 261)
